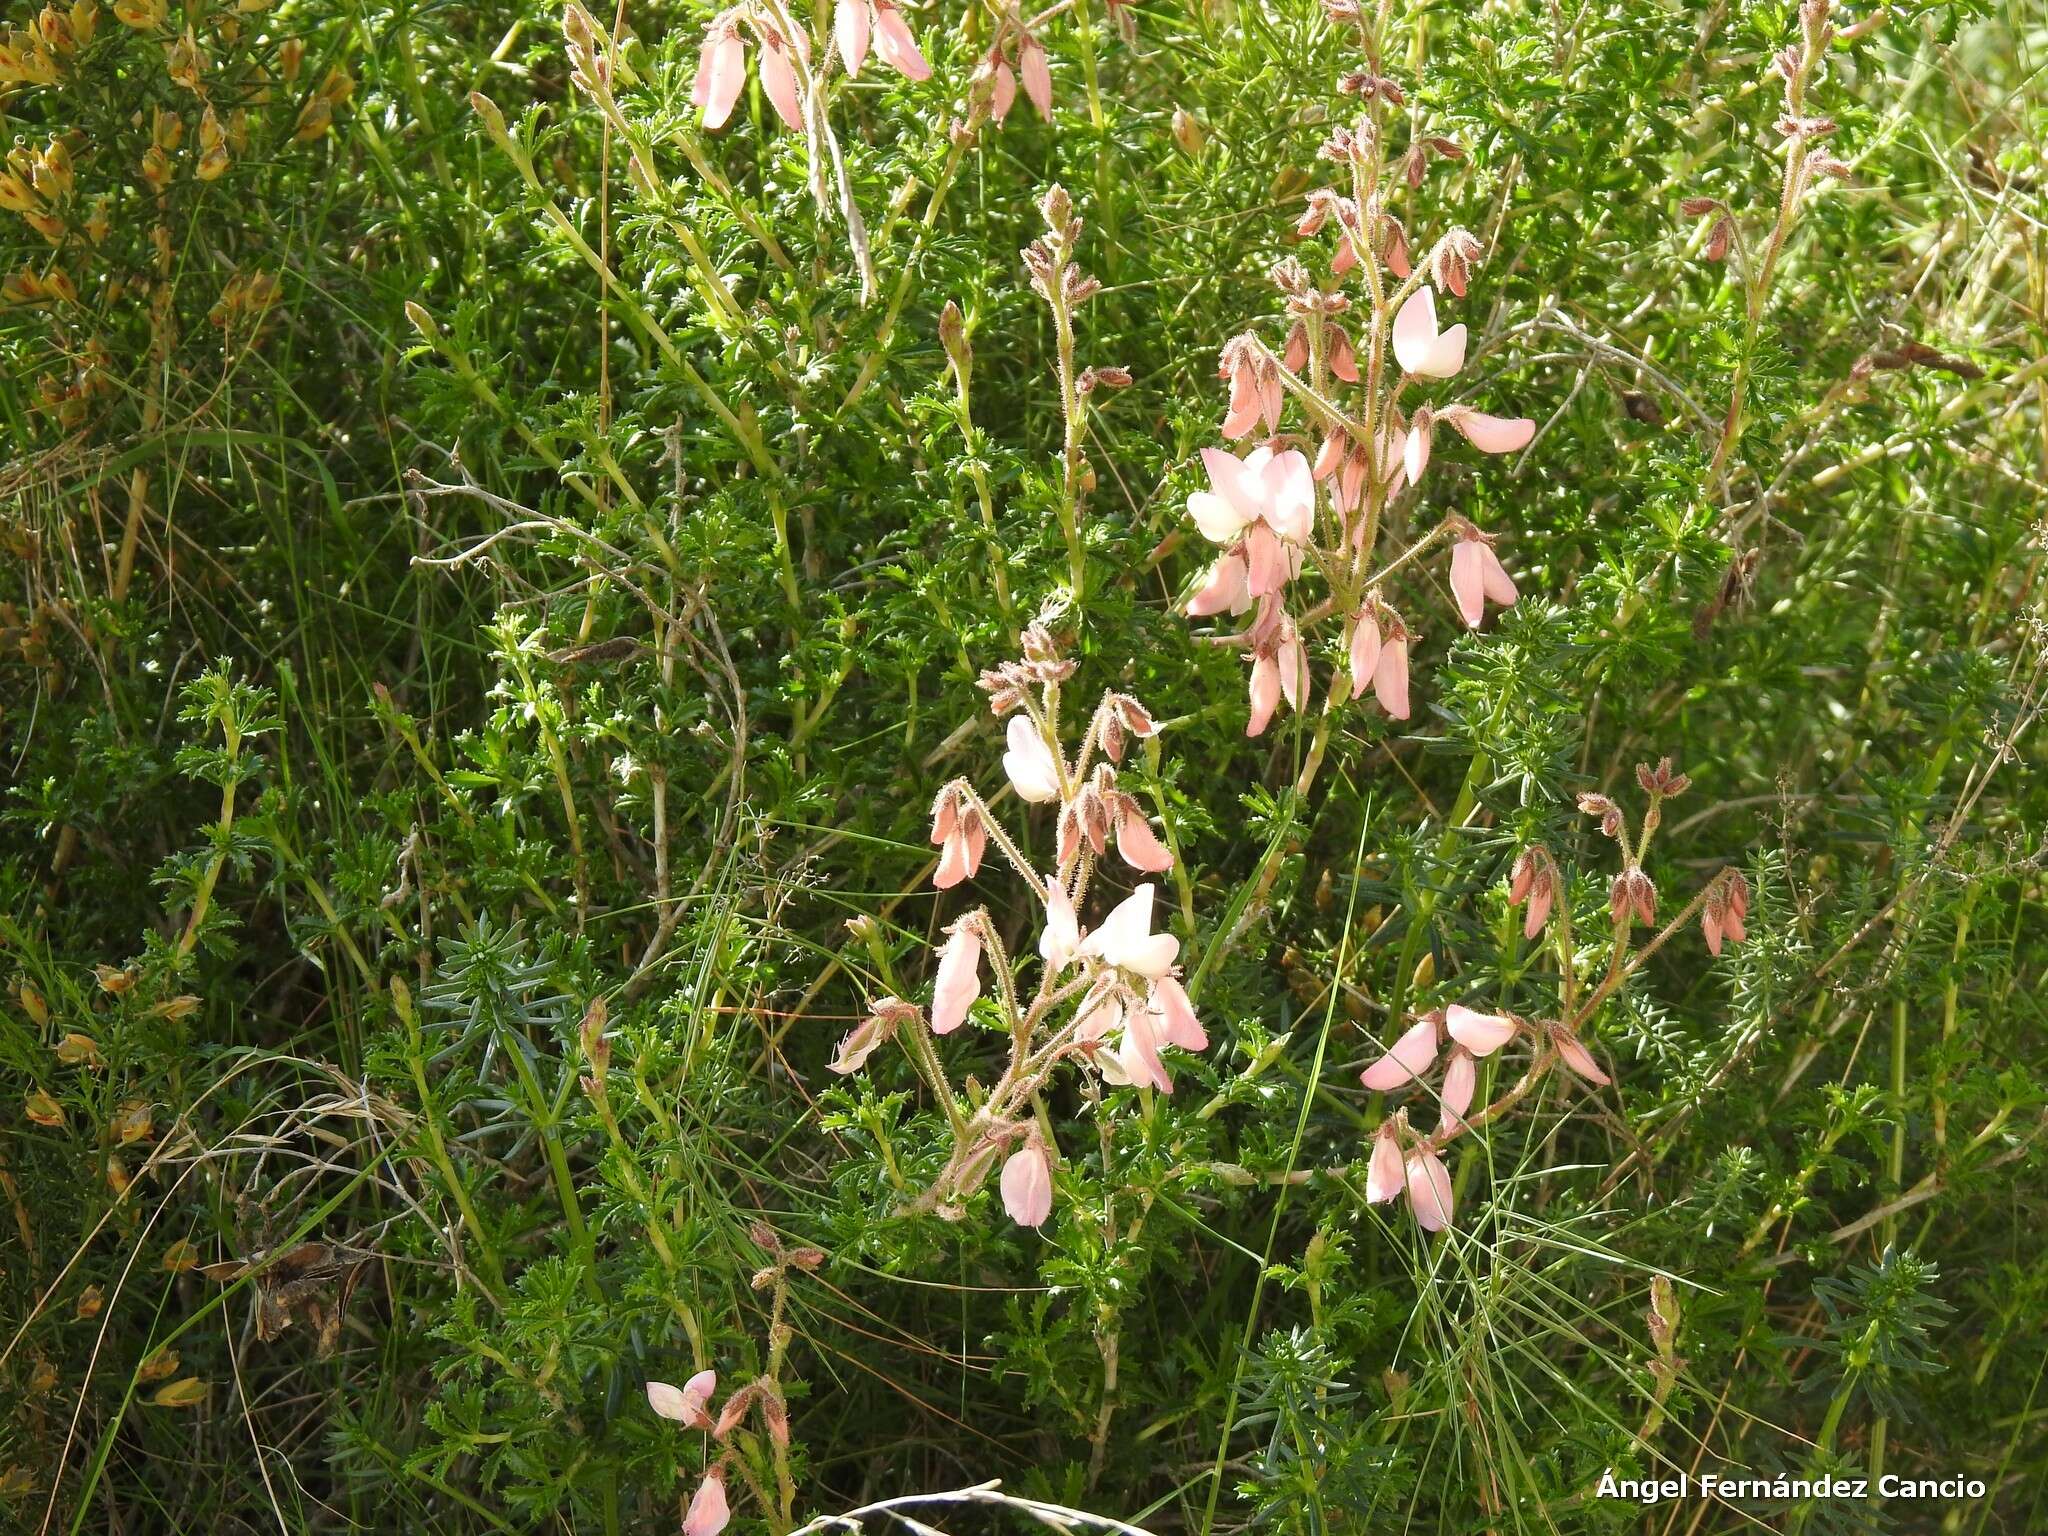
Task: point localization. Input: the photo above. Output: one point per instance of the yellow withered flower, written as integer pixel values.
(213, 148)
(314, 120)
(15, 195)
(52, 175)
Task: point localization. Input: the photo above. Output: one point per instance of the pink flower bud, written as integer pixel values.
(1027, 1184)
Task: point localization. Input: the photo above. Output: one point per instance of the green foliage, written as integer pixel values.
(495, 590)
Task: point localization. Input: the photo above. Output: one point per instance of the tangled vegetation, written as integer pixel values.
(1240, 766)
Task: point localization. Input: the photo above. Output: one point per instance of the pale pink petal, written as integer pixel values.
(1498, 585)
(1178, 1023)
(1446, 355)
(668, 1401)
(1139, 1056)
(1296, 355)
(707, 58)
(1468, 581)
(1292, 663)
(1267, 567)
(1062, 934)
(850, 28)
(1406, 1060)
(1272, 397)
(1126, 939)
(958, 982)
(778, 84)
(1415, 451)
(1265, 695)
(1227, 588)
(953, 861)
(1005, 93)
(1139, 845)
(1711, 927)
(1390, 678)
(1461, 1079)
(1480, 1033)
(1289, 490)
(1734, 924)
(1343, 360)
(1029, 762)
(1429, 1191)
(896, 45)
(1031, 64)
(726, 76)
(1539, 911)
(1492, 434)
(1384, 1175)
(1346, 257)
(1575, 1055)
(1365, 652)
(1027, 1186)
(708, 1513)
(1232, 501)
(1415, 334)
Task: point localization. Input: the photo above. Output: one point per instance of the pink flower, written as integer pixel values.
(1632, 898)
(852, 24)
(1343, 359)
(1226, 589)
(1137, 1057)
(1004, 95)
(1573, 1053)
(1478, 576)
(1027, 1184)
(1061, 935)
(1255, 388)
(958, 982)
(1416, 446)
(708, 1513)
(1126, 940)
(1489, 434)
(1406, 1059)
(1419, 347)
(1723, 912)
(1136, 841)
(1031, 64)
(778, 78)
(684, 1404)
(1385, 1176)
(1535, 880)
(1177, 1015)
(1461, 1078)
(895, 44)
(868, 1036)
(1480, 1033)
(1383, 661)
(1034, 772)
(721, 70)
(1429, 1190)
(960, 835)
(1397, 247)
(1267, 501)
(1279, 670)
